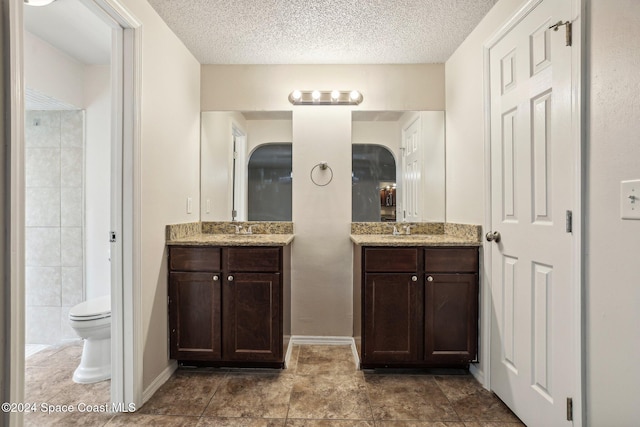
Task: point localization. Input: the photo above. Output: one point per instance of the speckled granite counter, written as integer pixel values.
(222, 234)
(422, 234)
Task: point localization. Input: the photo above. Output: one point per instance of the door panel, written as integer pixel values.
(194, 323)
(393, 318)
(532, 179)
(412, 172)
(451, 313)
(253, 317)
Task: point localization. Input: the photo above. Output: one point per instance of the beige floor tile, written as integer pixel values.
(493, 424)
(419, 424)
(472, 402)
(43, 419)
(254, 395)
(329, 397)
(240, 422)
(325, 359)
(404, 397)
(185, 393)
(136, 419)
(293, 359)
(329, 423)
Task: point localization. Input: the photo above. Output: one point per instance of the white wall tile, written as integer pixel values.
(71, 207)
(42, 136)
(42, 167)
(72, 129)
(43, 286)
(72, 288)
(45, 118)
(42, 207)
(71, 167)
(71, 246)
(43, 325)
(66, 331)
(42, 246)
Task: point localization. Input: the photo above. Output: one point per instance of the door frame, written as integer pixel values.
(578, 60)
(126, 328)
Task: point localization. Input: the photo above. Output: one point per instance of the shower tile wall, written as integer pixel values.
(54, 151)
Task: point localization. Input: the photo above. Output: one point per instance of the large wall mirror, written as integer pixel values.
(245, 165)
(398, 166)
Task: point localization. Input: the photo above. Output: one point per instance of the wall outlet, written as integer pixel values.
(189, 205)
(630, 199)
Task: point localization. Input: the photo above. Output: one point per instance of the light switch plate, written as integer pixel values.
(189, 205)
(630, 199)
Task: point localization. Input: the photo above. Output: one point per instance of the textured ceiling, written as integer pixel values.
(322, 31)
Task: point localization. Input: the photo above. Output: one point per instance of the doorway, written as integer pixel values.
(532, 247)
(125, 72)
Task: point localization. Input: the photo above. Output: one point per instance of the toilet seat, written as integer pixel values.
(94, 309)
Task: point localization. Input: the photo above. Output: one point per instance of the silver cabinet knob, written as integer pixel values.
(429, 279)
(216, 278)
(414, 278)
(230, 278)
(493, 236)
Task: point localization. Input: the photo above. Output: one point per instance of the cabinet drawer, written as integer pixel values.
(252, 259)
(194, 259)
(451, 260)
(391, 260)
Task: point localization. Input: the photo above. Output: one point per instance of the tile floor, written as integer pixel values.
(321, 387)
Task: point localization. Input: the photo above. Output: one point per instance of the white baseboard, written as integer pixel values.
(324, 340)
(478, 374)
(158, 381)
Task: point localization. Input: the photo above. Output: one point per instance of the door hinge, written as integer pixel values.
(112, 236)
(569, 409)
(569, 222)
(567, 27)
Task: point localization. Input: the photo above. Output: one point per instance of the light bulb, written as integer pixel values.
(315, 95)
(38, 2)
(296, 95)
(335, 95)
(354, 95)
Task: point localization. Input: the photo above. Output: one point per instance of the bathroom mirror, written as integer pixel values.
(245, 165)
(398, 166)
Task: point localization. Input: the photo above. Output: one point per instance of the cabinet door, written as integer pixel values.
(451, 318)
(392, 318)
(252, 317)
(194, 316)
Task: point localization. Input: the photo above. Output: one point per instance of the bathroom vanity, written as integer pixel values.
(416, 299)
(229, 299)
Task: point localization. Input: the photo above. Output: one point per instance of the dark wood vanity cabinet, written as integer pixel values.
(415, 306)
(251, 305)
(194, 303)
(234, 310)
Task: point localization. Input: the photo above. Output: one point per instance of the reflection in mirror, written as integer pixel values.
(416, 140)
(373, 193)
(227, 140)
(270, 183)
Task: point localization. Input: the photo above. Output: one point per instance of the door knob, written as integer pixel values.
(414, 278)
(230, 278)
(216, 278)
(493, 236)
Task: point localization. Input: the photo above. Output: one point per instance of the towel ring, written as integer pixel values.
(322, 166)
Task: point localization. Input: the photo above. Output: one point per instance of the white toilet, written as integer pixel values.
(92, 322)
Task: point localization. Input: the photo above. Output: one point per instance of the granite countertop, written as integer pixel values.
(422, 234)
(412, 240)
(234, 240)
(222, 234)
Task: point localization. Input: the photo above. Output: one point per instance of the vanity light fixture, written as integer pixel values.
(325, 97)
(38, 2)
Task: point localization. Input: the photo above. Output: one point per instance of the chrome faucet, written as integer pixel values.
(407, 230)
(395, 231)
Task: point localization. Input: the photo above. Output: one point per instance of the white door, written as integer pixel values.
(412, 176)
(534, 328)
